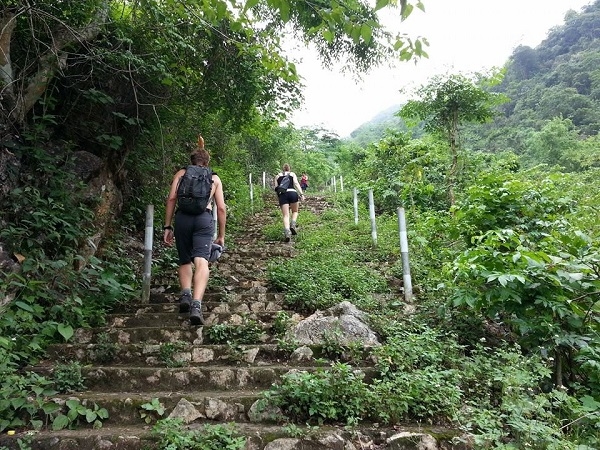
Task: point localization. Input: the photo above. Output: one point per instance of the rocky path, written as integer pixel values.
(148, 354)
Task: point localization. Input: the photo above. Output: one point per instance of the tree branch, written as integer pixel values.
(7, 26)
(54, 60)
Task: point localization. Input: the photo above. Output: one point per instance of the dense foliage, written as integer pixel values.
(506, 320)
(503, 339)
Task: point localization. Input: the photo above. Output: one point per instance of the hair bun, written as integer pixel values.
(200, 142)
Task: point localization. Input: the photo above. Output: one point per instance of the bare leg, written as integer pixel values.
(201, 274)
(185, 276)
(294, 208)
(285, 211)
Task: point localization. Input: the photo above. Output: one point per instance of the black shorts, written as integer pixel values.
(290, 196)
(193, 236)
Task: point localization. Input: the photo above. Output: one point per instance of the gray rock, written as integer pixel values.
(344, 322)
(186, 411)
(303, 353)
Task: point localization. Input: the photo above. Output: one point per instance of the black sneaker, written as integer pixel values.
(196, 314)
(287, 235)
(184, 303)
(293, 228)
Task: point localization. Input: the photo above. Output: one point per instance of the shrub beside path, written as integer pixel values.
(149, 360)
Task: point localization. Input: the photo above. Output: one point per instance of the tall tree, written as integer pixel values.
(446, 103)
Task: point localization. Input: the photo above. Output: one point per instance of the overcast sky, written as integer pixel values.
(464, 36)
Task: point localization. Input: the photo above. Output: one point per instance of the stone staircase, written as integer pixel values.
(150, 353)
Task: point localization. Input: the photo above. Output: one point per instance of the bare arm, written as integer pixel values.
(297, 184)
(221, 209)
(170, 207)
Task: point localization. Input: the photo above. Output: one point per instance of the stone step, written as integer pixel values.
(159, 355)
(174, 319)
(153, 335)
(185, 379)
(234, 282)
(124, 408)
(209, 298)
(150, 335)
(239, 307)
(258, 437)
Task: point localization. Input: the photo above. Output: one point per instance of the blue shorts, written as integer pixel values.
(193, 236)
(290, 196)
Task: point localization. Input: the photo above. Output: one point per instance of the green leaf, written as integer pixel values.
(66, 331)
(72, 404)
(589, 403)
(381, 4)
(90, 416)
(24, 306)
(250, 4)
(504, 279)
(327, 35)
(50, 407)
(284, 9)
(366, 32)
(577, 276)
(61, 421)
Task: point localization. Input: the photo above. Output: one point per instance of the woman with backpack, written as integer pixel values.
(288, 192)
(194, 228)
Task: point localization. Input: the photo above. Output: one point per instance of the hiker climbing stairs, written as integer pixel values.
(148, 363)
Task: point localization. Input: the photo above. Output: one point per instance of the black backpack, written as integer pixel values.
(193, 192)
(284, 184)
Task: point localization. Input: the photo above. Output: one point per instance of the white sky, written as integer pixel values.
(464, 36)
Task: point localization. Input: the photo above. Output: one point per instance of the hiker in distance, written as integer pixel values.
(304, 182)
(194, 228)
(288, 192)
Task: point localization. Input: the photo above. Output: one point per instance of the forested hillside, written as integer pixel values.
(558, 79)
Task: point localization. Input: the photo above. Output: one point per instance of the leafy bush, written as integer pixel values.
(249, 332)
(68, 377)
(336, 394)
(24, 398)
(504, 402)
(173, 436)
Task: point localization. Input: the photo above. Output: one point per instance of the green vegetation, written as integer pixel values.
(68, 377)
(170, 353)
(152, 411)
(489, 369)
(248, 332)
(172, 435)
(502, 338)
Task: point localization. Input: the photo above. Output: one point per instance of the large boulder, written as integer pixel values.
(343, 322)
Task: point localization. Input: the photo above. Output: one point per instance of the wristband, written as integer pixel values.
(168, 227)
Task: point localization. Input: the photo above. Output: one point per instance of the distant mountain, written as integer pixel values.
(558, 78)
(375, 129)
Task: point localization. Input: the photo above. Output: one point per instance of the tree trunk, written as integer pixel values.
(7, 88)
(453, 139)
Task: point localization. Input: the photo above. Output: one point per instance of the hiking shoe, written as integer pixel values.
(184, 302)
(293, 228)
(196, 314)
(287, 235)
